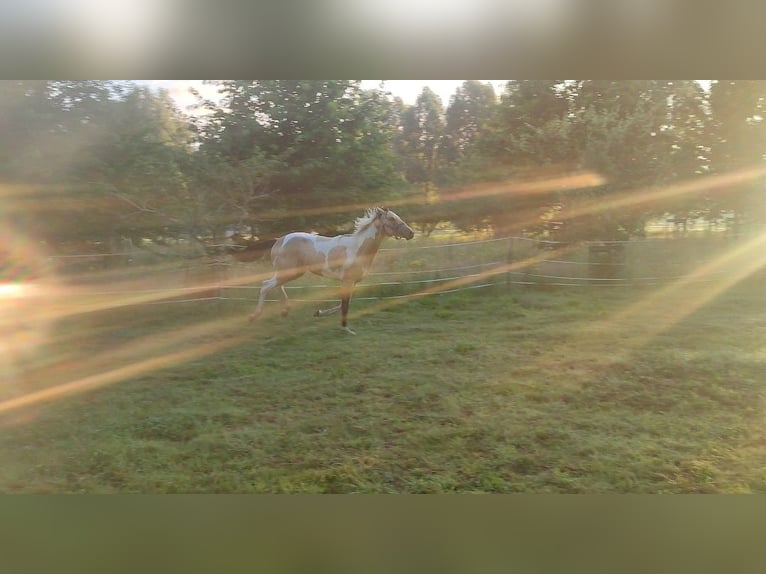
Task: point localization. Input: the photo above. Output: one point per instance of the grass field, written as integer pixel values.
(498, 390)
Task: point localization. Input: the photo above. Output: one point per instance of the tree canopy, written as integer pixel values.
(98, 160)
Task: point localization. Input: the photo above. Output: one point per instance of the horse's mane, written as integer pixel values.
(361, 223)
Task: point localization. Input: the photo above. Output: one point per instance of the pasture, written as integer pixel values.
(653, 389)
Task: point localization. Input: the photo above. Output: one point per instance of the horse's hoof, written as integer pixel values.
(253, 317)
(317, 313)
(349, 331)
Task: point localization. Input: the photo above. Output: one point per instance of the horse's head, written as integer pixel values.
(393, 225)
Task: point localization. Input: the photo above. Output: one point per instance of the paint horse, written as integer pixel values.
(346, 258)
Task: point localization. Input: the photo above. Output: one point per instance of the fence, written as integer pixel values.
(429, 267)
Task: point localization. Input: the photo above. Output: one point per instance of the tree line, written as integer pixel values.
(95, 161)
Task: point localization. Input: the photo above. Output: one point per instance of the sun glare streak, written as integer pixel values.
(520, 188)
(509, 187)
(669, 305)
(11, 290)
(567, 182)
(107, 290)
(73, 300)
(461, 282)
(661, 308)
(115, 375)
(559, 184)
(637, 197)
(162, 341)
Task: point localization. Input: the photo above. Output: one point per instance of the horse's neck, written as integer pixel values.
(369, 240)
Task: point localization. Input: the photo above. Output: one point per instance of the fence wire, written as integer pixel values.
(463, 272)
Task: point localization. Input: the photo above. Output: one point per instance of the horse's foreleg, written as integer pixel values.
(345, 300)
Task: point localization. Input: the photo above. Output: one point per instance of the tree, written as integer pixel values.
(523, 134)
(686, 149)
(61, 130)
(420, 139)
(25, 117)
(620, 129)
(137, 159)
(418, 145)
(531, 124)
(468, 115)
(99, 159)
(637, 135)
(325, 147)
(738, 143)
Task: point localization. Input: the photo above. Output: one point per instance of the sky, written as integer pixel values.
(408, 90)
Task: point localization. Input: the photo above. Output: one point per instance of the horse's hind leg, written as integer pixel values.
(325, 312)
(277, 280)
(266, 286)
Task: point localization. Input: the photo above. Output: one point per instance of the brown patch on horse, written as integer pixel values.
(368, 250)
(364, 258)
(336, 258)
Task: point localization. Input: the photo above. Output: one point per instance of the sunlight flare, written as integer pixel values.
(112, 376)
(669, 305)
(717, 184)
(11, 290)
(510, 187)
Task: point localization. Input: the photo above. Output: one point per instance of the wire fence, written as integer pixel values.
(428, 267)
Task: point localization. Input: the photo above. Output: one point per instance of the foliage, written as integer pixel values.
(103, 161)
(738, 142)
(420, 139)
(314, 149)
(99, 159)
(468, 116)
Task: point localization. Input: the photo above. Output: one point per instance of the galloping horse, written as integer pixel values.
(346, 258)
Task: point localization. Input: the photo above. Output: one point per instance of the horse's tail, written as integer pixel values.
(276, 248)
(264, 247)
(251, 250)
(266, 244)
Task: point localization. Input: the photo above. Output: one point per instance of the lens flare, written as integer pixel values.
(24, 286)
(11, 291)
(31, 300)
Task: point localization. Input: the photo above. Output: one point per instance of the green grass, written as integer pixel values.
(505, 391)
